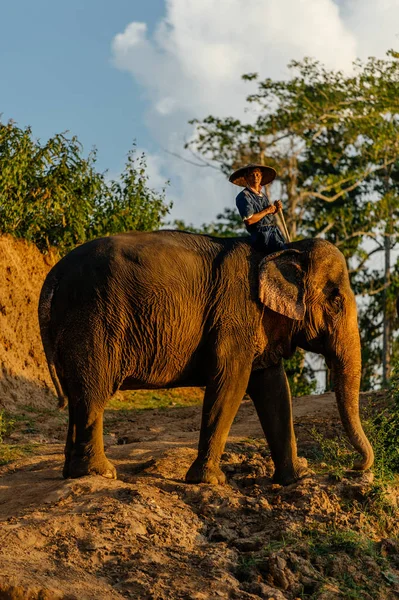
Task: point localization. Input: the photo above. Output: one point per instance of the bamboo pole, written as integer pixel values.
(286, 233)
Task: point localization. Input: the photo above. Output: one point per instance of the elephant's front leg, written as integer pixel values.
(222, 399)
(271, 395)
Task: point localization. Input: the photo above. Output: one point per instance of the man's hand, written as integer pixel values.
(269, 210)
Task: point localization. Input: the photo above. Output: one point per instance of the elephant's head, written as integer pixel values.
(309, 284)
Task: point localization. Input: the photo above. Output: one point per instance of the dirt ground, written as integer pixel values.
(148, 535)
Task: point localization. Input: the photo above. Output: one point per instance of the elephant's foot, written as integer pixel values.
(202, 472)
(286, 476)
(78, 466)
(67, 462)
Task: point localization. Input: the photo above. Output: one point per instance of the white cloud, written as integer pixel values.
(134, 34)
(375, 25)
(192, 65)
(155, 168)
(199, 51)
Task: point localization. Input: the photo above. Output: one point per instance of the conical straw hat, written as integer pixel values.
(238, 177)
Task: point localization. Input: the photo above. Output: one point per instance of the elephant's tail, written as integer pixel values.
(46, 296)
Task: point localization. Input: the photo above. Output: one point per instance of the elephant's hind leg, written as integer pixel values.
(71, 435)
(270, 392)
(222, 399)
(88, 456)
(84, 450)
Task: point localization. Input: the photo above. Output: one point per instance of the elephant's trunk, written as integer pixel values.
(346, 367)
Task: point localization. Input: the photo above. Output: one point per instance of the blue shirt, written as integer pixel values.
(248, 203)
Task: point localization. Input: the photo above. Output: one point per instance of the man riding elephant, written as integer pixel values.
(255, 208)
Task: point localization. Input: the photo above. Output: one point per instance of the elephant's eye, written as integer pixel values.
(336, 297)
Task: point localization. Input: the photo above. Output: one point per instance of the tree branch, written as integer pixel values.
(377, 291)
(327, 228)
(190, 162)
(364, 260)
(358, 234)
(346, 190)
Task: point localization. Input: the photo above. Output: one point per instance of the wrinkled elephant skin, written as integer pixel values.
(173, 309)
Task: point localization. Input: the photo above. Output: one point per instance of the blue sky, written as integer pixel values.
(114, 72)
(56, 72)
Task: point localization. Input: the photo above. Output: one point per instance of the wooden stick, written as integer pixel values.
(287, 235)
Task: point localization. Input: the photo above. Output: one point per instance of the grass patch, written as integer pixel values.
(10, 452)
(349, 548)
(381, 426)
(329, 543)
(330, 559)
(246, 567)
(335, 452)
(160, 399)
(30, 420)
(316, 552)
(6, 425)
(351, 589)
(40, 411)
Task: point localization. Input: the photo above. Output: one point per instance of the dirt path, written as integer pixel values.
(148, 535)
(146, 437)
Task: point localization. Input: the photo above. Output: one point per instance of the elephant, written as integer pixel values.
(164, 309)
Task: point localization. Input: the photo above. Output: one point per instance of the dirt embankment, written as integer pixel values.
(24, 377)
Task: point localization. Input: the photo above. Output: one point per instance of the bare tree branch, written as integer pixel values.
(346, 190)
(327, 228)
(365, 259)
(201, 164)
(377, 291)
(358, 234)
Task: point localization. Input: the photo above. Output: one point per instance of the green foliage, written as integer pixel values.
(9, 452)
(383, 432)
(301, 377)
(129, 204)
(335, 452)
(316, 552)
(52, 195)
(334, 141)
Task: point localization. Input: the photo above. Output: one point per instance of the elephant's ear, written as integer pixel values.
(282, 283)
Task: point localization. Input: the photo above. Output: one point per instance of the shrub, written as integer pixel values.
(52, 195)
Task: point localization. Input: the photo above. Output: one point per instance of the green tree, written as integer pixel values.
(334, 141)
(52, 195)
(129, 203)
